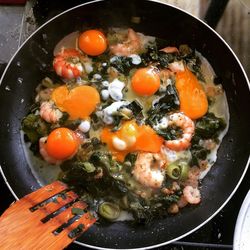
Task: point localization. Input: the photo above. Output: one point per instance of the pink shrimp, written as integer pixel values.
(187, 126)
(182, 202)
(131, 46)
(67, 63)
(170, 50)
(193, 177)
(49, 112)
(148, 169)
(44, 153)
(173, 208)
(192, 195)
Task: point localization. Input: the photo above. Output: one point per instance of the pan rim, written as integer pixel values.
(247, 81)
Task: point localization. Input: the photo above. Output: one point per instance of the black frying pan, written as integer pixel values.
(33, 61)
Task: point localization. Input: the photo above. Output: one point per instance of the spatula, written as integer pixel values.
(49, 218)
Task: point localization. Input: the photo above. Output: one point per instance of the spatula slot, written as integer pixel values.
(57, 212)
(62, 195)
(65, 225)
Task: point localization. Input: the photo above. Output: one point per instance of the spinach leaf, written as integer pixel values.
(198, 153)
(34, 127)
(209, 126)
(161, 58)
(170, 133)
(127, 112)
(169, 102)
(122, 64)
(135, 107)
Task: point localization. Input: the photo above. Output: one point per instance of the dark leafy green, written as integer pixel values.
(169, 102)
(161, 58)
(134, 112)
(145, 212)
(82, 177)
(34, 127)
(198, 153)
(169, 133)
(122, 64)
(209, 126)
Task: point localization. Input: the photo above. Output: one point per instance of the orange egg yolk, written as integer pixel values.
(78, 102)
(92, 42)
(134, 137)
(145, 81)
(62, 143)
(193, 99)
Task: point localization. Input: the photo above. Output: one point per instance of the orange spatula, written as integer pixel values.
(49, 218)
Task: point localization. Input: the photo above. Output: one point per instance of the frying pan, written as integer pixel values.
(33, 61)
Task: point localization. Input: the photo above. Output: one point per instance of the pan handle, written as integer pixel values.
(214, 12)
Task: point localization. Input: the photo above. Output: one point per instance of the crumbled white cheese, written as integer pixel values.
(115, 89)
(108, 111)
(105, 94)
(163, 123)
(119, 144)
(88, 67)
(136, 59)
(97, 76)
(84, 126)
(113, 59)
(105, 83)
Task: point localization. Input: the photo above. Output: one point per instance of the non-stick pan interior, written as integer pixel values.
(34, 61)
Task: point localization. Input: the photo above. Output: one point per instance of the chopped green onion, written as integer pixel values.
(178, 170)
(88, 167)
(109, 211)
(173, 171)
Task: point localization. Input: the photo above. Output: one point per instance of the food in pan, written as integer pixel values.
(131, 122)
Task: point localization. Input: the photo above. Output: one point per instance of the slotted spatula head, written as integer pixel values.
(49, 218)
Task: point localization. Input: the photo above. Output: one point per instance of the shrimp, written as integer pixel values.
(131, 46)
(44, 153)
(67, 63)
(173, 209)
(182, 202)
(148, 169)
(49, 113)
(193, 177)
(187, 126)
(192, 195)
(170, 50)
